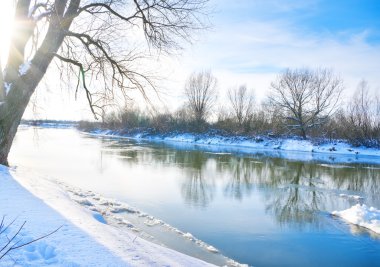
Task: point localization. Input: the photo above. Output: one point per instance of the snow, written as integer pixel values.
(212, 249)
(297, 145)
(23, 69)
(355, 197)
(7, 87)
(85, 237)
(152, 222)
(336, 166)
(112, 211)
(293, 149)
(188, 235)
(361, 215)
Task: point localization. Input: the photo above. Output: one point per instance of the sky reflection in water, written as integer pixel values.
(261, 210)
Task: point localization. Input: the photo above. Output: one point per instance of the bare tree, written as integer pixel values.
(200, 90)
(93, 41)
(362, 122)
(242, 104)
(305, 98)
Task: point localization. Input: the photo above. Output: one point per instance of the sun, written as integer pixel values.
(6, 21)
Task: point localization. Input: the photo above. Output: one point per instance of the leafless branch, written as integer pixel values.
(306, 97)
(11, 243)
(200, 90)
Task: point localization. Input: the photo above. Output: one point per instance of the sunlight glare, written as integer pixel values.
(6, 16)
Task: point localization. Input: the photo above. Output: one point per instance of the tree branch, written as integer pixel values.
(81, 75)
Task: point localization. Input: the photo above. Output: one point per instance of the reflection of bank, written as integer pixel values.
(294, 191)
(196, 190)
(300, 191)
(240, 183)
(298, 201)
(198, 186)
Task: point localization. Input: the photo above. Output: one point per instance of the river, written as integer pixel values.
(255, 209)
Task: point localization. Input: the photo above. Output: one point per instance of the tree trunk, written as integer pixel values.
(17, 99)
(22, 85)
(303, 133)
(10, 118)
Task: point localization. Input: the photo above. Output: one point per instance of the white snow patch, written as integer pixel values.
(7, 87)
(356, 197)
(153, 222)
(85, 202)
(297, 145)
(218, 153)
(212, 249)
(335, 166)
(189, 236)
(23, 69)
(361, 215)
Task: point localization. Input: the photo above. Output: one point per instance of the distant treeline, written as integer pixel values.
(300, 102)
(42, 122)
(303, 102)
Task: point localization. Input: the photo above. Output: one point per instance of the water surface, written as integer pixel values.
(259, 210)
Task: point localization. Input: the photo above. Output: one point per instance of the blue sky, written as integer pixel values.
(349, 16)
(318, 16)
(252, 41)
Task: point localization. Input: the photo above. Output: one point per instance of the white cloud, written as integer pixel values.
(254, 52)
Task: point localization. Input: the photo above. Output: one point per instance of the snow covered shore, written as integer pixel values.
(295, 149)
(84, 239)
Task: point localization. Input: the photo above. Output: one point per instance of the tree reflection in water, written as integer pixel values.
(198, 186)
(294, 192)
(196, 191)
(297, 201)
(240, 183)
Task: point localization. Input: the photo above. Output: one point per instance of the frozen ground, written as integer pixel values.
(294, 149)
(87, 237)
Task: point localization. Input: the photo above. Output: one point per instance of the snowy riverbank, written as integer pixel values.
(85, 238)
(294, 149)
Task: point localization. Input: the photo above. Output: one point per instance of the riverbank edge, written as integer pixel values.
(336, 151)
(83, 238)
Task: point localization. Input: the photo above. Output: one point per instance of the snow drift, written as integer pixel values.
(361, 215)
